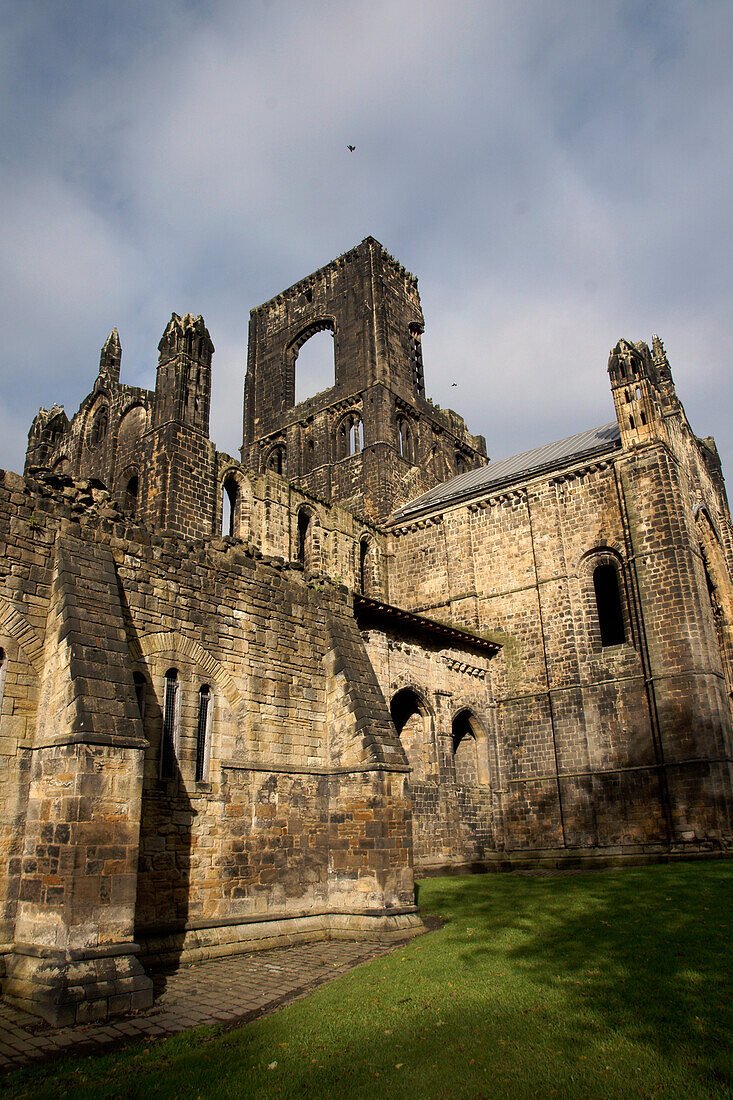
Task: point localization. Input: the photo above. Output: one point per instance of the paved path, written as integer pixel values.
(228, 991)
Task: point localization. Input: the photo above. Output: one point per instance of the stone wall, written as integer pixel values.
(603, 747)
(284, 814)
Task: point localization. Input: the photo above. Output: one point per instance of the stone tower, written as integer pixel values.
(180, 491)
(372, 439)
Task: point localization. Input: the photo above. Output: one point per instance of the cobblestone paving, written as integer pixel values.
(228, 991)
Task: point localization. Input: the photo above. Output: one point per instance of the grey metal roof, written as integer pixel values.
(561, 453)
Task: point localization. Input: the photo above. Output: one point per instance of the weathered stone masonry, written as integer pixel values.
(242, 700)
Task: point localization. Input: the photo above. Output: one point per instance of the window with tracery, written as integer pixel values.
(99, 427)
(277, 460)
(349, 437)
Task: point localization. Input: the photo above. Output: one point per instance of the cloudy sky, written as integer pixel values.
(556, 173)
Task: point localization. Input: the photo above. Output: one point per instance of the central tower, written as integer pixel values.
(372, 440)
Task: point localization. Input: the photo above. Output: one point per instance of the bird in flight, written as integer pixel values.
(351, 148)
(453, 384)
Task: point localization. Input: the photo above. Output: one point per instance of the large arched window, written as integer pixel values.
(171, 718)
(606, 585)
(314, 361)
(203, 733)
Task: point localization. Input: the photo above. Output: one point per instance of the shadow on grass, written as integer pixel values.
(608, 985)
(642, 951)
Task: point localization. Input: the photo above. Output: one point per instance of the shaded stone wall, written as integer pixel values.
(457, 819)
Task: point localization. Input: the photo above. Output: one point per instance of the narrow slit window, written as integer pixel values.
(363, 566)
(131, 494)
(139, 682)
(3, 670)
(229, 506)
(169, 742)
(203, 739)
(304, 520)
(608, 604)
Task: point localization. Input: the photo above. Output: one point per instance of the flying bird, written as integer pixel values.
(351, 148)
(454, 384)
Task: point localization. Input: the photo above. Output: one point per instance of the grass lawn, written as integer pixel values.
(608, 984)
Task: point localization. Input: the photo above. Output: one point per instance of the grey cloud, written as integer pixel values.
(555, 174)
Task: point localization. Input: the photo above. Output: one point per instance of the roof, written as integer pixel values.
(563, 452)
(368, 609)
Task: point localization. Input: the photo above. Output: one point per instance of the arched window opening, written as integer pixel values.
(3, 671)
(171, 712)
(356, 438)
(628, 397)
(277, 460)
(229, 500)
(315, 368)
(460, 463)
(409, 717)
(348, 440)
(203, 738)
(308, 456)
(638, 393)
(465, 751)
(364, 567)
(163, 496)
(99, 427)
(342, 440)
(608, 604)
(406, 443)
(132, 490)
(643, 417)
(304, 522)
(140, 688)
(61, 466)
(131, 427)
(631, 422)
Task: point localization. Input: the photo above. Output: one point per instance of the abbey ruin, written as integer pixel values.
(245, 700)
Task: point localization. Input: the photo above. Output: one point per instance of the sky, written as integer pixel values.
(557, 173)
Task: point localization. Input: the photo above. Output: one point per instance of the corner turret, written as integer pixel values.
(49, 427)
(638, 391)
(183, 384)
(111, 358)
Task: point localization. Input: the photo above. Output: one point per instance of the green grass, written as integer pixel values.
(609, 984)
